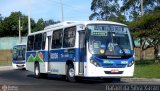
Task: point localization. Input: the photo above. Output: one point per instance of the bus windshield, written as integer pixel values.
(109, 40)
(19, 52)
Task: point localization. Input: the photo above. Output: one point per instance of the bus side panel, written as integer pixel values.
(58, 59)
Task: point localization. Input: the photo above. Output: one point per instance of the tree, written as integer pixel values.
(147, 28)
(10, 24)
(39, 25)
(132, 8)
(50, 22)
(1, 24)
(106, 10)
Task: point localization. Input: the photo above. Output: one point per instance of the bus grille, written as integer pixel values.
(114, 66)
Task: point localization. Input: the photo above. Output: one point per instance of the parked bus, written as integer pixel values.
(18, 56)
(81, 49)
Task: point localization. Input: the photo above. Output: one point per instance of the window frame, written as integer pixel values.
(60, 32)
(67, 38)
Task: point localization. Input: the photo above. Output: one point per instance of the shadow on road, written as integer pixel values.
(80, 80)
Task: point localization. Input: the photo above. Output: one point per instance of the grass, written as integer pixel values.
(149, 69)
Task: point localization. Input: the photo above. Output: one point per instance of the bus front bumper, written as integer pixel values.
(93, 71)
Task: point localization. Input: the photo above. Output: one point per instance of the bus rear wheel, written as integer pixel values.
(37, 70)
(70, 76)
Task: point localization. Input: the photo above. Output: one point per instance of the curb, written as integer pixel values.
(141, 79)
(5, 68)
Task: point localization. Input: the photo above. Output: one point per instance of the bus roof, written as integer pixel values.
(21, 44)
(72, 23)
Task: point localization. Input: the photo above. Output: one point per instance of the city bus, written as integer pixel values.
(101, 49)
(18, 56)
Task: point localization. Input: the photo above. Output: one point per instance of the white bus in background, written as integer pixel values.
(81, 49)
(18, 56)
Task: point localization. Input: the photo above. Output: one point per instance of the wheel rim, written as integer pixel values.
(71, 72)
(36, 71)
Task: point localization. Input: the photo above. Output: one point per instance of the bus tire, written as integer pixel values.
(70, 76)
(37, 70)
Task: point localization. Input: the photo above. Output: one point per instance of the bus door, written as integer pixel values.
(82, 52)
(49, 47)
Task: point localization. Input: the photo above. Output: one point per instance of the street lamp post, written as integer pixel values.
(29, 18)
(19, 23)
(62, 10)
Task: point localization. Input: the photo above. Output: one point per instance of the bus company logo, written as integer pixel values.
(4, 87)
(108, 62)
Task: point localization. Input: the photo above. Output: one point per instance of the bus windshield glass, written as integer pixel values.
(19, 52)
(109, 40)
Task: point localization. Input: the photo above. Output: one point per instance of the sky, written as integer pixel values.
(48, 9)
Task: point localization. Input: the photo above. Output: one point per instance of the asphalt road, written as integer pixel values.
(22, 80)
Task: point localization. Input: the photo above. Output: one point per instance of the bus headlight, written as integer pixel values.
(130, 64)
(94, 63)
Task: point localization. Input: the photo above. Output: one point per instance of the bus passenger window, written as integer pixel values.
(38, 42)
(69, 37)
(30, 43)
(57, 39)
(43, 41)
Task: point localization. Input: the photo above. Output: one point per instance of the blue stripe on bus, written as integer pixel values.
(63, 55)
(60, 55)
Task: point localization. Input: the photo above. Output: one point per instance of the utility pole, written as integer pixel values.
(19, 29)
(141, 39)
(142, 11)
(62, 11)
(29, 18)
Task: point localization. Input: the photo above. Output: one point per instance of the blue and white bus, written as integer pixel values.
(81, 49)
(18, 56)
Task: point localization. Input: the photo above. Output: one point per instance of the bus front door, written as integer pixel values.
(49, 47)
(82, 53)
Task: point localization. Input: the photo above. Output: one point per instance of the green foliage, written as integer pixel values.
(9, 26)
(39, 25)
(147, 29)
(106, 10)
(120, 10)
(1, 23)
(132, 8)
(147, 26)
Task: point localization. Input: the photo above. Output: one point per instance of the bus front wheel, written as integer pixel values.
(70, 73)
